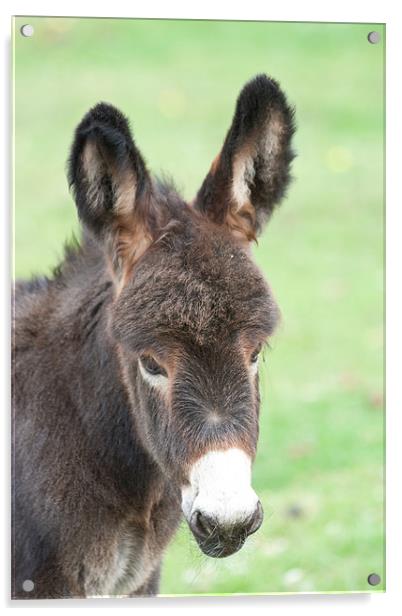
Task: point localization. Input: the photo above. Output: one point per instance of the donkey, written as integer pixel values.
(135, 375)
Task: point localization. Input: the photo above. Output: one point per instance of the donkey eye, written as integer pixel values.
(255, 355)
(152, 366)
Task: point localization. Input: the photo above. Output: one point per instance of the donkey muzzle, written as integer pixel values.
(219, 504)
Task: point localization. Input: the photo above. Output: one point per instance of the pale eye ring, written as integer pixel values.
(151, 366)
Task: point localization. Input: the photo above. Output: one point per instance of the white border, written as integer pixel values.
(306, 10)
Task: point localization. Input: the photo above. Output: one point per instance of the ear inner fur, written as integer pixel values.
(250, 175)
(113, 189)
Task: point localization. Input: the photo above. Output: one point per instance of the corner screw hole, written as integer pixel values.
(374, 579)
(373, 37)
(27, 30)
(28, 585)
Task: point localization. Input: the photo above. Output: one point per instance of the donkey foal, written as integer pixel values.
(135, 386)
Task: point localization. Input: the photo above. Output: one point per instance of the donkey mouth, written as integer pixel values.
(219, 541)
(215, 548)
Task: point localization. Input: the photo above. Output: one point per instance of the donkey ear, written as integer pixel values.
(110, 183)
(250, 174)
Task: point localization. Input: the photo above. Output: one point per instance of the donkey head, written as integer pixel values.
(191, 309)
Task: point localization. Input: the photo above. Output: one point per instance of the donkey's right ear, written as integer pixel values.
(110, 183)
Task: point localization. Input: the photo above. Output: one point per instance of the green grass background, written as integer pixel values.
(319, 468)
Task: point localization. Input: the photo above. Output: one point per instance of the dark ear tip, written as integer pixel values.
(104, 114)
(263, 92)
(261, 85)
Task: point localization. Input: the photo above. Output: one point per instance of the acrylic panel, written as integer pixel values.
(197, 386)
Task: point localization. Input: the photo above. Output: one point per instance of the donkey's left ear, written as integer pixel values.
(250, 174)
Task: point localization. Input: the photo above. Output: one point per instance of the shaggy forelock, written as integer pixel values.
(196, 285)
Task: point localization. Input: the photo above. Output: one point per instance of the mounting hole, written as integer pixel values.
(28, 585)
(374, 579)
(27, 30)
(373, 37)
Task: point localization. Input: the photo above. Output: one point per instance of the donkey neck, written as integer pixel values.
(93, 377)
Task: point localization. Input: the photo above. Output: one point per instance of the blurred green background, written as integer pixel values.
(319, 468)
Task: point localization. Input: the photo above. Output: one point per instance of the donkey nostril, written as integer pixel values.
(256, 519)
(202, 525)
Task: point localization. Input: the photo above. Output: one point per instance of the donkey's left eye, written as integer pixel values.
(255, 355)
(152, 366)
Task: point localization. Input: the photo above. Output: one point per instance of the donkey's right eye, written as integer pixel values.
(151, 366)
